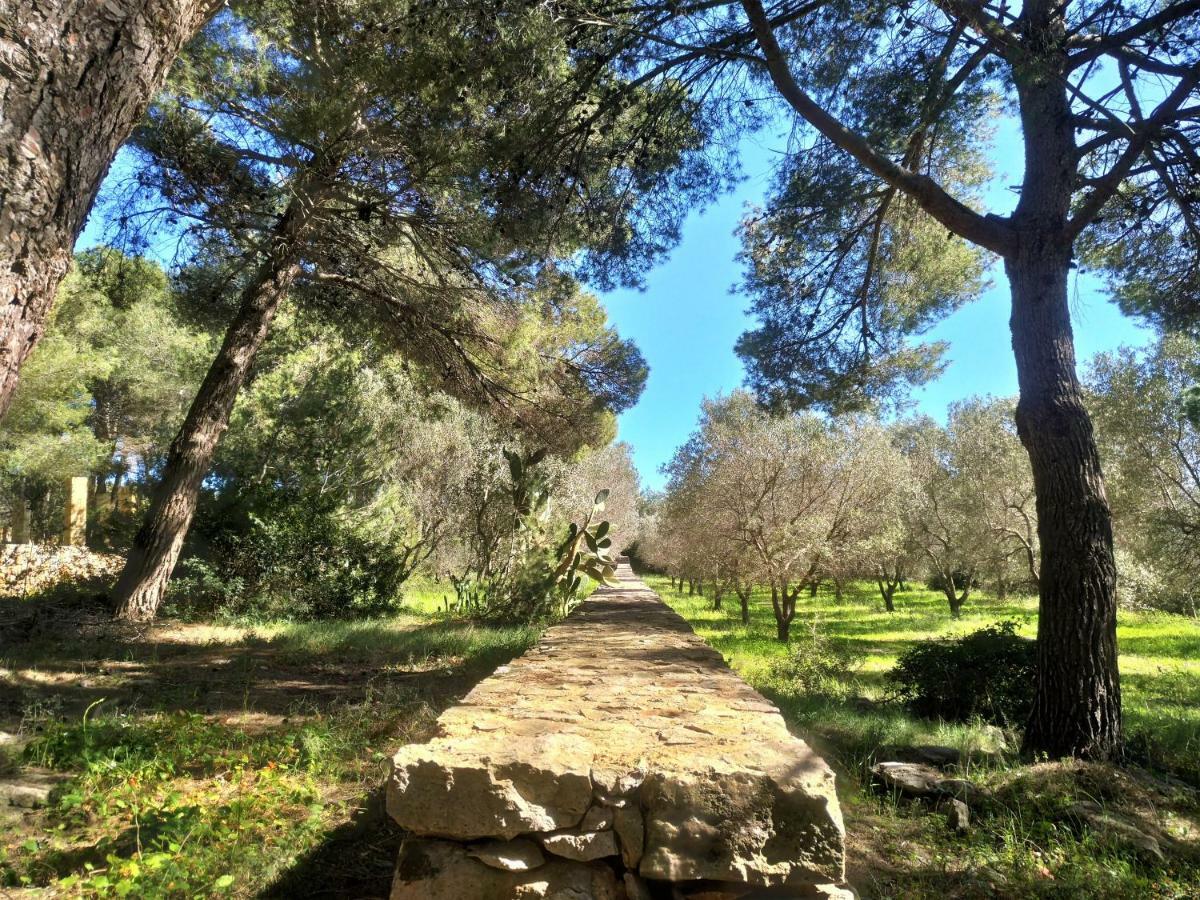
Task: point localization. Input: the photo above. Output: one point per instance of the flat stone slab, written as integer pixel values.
(622, 707)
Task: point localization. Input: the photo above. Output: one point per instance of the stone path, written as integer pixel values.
(620, 757)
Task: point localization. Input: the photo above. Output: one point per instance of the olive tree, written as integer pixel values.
(1150, 444)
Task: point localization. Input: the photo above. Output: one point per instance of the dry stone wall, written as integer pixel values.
(619, 758)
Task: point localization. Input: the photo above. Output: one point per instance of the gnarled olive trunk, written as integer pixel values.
(156, 547)
(744, 603)
(783, 602)
(887, 590)
(75, 77)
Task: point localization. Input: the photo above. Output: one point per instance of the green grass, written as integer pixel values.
(161, 801)
(1021, 847)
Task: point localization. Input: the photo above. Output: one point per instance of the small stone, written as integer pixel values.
(583, 847)
(614, 786)
(636, 888)
(598, 818)
(958, 816)
(26, 796)
(910, 779)
(962, 789)
(631, 834)
(517, 855)
(924, 782)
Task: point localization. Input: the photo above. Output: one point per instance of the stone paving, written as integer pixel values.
(620, 757)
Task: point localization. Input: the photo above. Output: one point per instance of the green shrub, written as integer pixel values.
(988, 674)
(937, 581)
(294, 561)
(816, 663)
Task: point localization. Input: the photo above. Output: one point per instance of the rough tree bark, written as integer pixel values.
(75, 77)
(143, 582)
(783, 602)
(1077, 703)
(887, 590)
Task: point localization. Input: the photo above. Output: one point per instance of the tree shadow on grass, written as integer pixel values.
(355, 859)
(230, 672)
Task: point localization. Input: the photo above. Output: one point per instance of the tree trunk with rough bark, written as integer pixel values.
(75, 78)
(1077, 702)
(156, 547)
(783, 602)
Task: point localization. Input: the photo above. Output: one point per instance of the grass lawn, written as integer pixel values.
(1020, 846)
(241, 760)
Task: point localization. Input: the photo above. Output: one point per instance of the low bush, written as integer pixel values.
(299, 562)
(937, 581)
(816, 664)
(988, 674)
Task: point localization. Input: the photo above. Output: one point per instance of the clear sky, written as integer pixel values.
(687, 319)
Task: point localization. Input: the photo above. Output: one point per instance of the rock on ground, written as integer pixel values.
(1116, 829)
(623, 707)
(922, 782)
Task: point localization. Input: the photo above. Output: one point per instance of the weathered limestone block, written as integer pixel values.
(581, 845)
(598, 818)
(441, 870)
(631, 834)
(622, 728)
(439, 791)
(777, 825)
(517, 855)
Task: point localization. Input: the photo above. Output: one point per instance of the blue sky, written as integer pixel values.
(687, 319)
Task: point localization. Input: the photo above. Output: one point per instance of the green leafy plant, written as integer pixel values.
(816, 664)
(986, 674)
(587, 550)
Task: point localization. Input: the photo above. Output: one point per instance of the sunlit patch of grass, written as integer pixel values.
(165, 804)
(1017, 848)
(395, 641)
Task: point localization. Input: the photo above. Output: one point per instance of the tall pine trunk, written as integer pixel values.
(1077, 702)
(157, 545)
(75, 78)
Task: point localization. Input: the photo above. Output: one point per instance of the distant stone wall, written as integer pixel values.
(32, 568)
(619, 758)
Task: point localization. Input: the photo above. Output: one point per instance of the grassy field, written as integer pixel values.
(224, 760)
(1021, 844)
(245, 759)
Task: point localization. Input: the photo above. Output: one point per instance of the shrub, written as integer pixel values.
(1143, 586)
(295, 561)
(816, 663)
(937, 582)
(988, 674)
